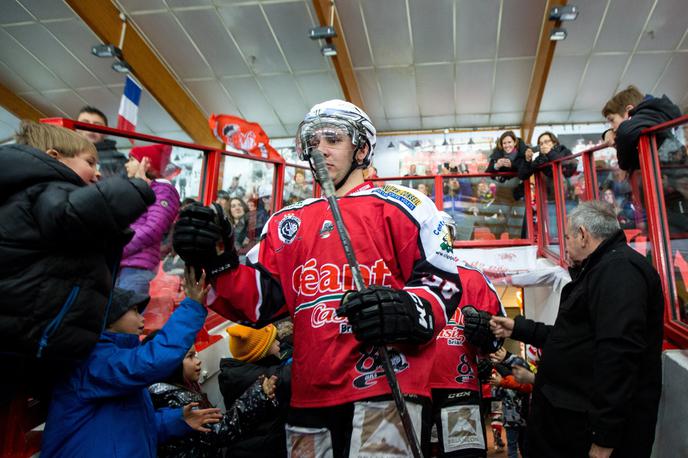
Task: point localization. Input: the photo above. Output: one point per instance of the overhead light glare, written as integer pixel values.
(329, 50)
(106, 51)
(563, 13)
(557, 34)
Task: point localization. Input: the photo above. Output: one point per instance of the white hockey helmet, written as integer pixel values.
(341, 116)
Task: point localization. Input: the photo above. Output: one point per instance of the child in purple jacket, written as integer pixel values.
(142, 255)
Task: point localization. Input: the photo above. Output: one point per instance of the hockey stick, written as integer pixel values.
(329, 191)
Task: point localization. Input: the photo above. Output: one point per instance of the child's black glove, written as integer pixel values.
(379, 315)
(199, 236)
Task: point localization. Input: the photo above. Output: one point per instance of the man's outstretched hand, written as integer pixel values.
(501, 326)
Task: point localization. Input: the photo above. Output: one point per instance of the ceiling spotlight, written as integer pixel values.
(563, 13)
(329, 50)
(121, 66)
(318, 33)
(106, 51)
(557, 34)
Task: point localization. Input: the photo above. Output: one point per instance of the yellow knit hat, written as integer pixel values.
(248, 344)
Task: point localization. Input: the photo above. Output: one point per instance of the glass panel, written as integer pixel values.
(550, 222)
(485, 209)
(625, 194)
(674, 173)
(247, 197)
(424, 185)
(190, 163)
(298, 185)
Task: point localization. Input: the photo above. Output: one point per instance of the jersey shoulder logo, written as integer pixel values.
(404, 196)
(288, 227)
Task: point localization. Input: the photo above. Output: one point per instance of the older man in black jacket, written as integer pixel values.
(598, 385)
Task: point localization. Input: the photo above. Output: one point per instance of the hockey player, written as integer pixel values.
(454, 380)
(340, 399)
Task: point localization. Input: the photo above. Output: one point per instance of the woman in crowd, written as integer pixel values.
(508, 154)
(550, 150)
(238, 217)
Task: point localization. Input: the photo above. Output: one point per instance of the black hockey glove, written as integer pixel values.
(484, 370)
(379, 315)
(476, 328)
(203, 237)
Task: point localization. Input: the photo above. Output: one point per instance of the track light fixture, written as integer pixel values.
(557, 34)
(563, 13)
(321, 33)
(121, 66)
(329, 50)
(106, 51)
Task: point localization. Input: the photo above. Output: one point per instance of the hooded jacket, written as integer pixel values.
(267, 439)
(60, 240)
(143, 252)
(103, 408)
(247, 412)
(602, 356)
(650, 112)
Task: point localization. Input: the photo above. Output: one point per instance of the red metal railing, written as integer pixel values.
(675, 326)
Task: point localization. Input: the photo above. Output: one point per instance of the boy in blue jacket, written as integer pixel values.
(103, 408)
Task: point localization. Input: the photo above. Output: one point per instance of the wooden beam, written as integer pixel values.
(18, 106)
(103, 18)
(543, 62)
(342, 61)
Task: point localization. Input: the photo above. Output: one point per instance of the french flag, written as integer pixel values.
(129, 106)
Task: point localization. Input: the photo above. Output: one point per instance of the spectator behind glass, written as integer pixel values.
(298, 190)
(111, 161)
(223, 200)
(243, 415)
(508, 155)
(623, 208)
(62, 231)
(141, 256)
(550, 150)
(238, 218)
(628, 113)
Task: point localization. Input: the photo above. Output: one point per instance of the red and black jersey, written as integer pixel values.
(455, 359)
(299, 268)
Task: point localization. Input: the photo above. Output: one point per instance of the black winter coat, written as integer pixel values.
(59, 241)
(648, 113)
(602, 357)
(527, 168)
(241, 417)
(267, 439)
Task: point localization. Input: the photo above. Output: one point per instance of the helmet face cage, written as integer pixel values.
(333, 117)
